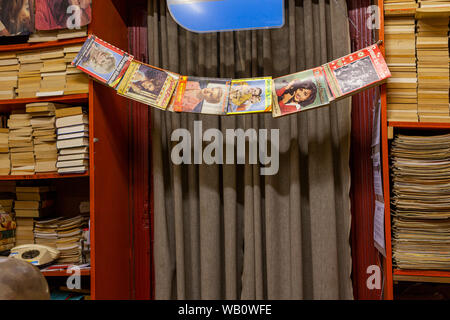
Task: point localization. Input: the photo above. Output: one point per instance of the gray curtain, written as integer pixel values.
(225, 231)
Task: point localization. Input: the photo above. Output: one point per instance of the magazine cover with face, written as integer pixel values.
(300, 91)
(202, 95)
(148, 84)
(102, 61)
(16, 17)
(359, 70)
(61, 14)
(250, 95)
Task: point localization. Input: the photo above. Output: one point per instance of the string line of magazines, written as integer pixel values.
(169, 91)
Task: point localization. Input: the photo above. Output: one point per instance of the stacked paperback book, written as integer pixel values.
(9, 72)
(432, 70)
(5, 161)
(55, 35)
(72, 140)
(44, 135)
(400, 44)
(398, 8)
(21, 144)
(64, 234)
(421, 202)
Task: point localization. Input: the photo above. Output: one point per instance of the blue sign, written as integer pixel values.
(227, 15)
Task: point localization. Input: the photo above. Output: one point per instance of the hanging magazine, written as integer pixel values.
(202, 95)
(148, 84)
(102, 61)
(300, 91)
(357, 71)
(250, 95)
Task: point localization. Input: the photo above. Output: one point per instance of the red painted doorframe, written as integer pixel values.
(140, 159)
(361, 193)
(364, 253)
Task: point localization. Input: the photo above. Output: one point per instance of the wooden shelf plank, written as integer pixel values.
(44, 176)
(419, 125)
(436, 276)
(12, 104)
(63, 273)
(41, 45)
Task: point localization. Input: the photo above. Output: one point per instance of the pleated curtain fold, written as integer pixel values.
(225, 231)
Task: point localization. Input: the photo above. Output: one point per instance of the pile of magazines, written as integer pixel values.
(169, 91)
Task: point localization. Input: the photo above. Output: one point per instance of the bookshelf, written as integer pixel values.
(392, 274)
(109, 165)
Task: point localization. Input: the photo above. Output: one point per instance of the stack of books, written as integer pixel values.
(69, 239)
(44, 135)
(420, 202)
(64, 234)
(76, 82)
(21, 144)
(433, 9)
(5, 161)
(72, 140)
(29, 80)
(54, 35)
(8, 223)
(432, 70)
(9, 71)
(45, 231)
(53, 72)
(401, 60)
(399, 8)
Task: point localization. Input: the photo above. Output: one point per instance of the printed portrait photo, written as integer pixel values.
(101, 61)
(62, 14)
(296, 92)
(148, 81)
(247, 96)
(16, 17)
(205, 96)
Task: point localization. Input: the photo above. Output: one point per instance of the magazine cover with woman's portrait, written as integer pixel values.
(202, 95)
(102, 61)
(62, 14)
(148, 84)
(16, 17)
(250, 95)
(300, 91)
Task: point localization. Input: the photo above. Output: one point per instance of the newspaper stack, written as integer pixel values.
(44, 135)
(421, 202)
(5, 161)
(45, 231)
(69, 239)
(21, 144)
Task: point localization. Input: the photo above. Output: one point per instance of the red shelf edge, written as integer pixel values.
(63, 273)
(70, 97)
(419, 125)
(423, 273)
(44, 176)
(41, 45)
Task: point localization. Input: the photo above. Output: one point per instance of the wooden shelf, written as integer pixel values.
(12, 104)
(421, 275)
(63, 273)
(41, 45)
(44, 176)
(419, 125)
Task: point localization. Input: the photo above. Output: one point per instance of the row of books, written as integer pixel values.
(421, 202)
(41, 73)
(417, 55)
(422, 9)
(296, 92)
(45, 137)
